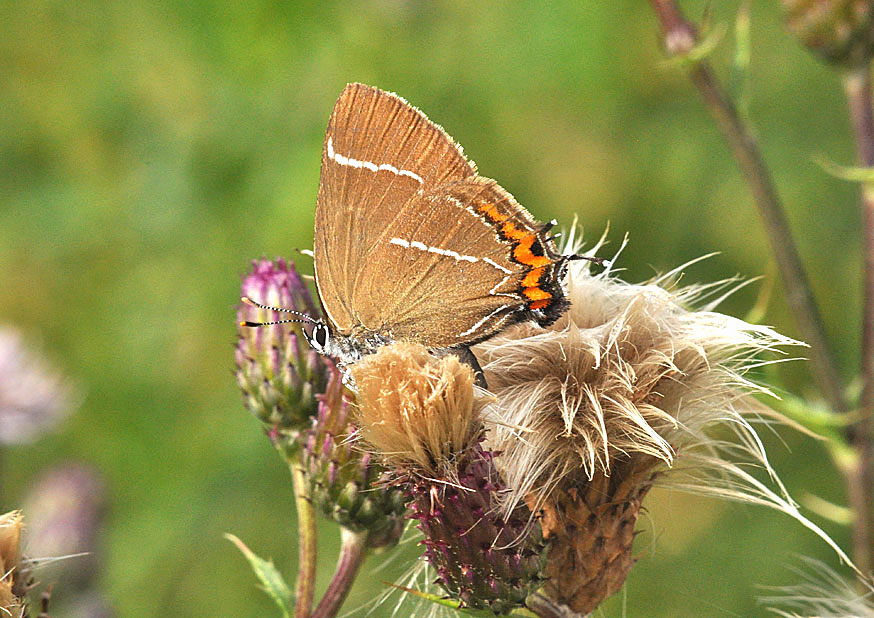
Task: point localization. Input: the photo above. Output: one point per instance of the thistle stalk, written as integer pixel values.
(680, 38)
(352, 553)
(860, 472)
(306, 531)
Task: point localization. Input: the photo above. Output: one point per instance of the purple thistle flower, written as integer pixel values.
(422, 415)
(34, 399)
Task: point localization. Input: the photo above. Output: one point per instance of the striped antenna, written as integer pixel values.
(251, 302)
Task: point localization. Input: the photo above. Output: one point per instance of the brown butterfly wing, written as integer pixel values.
(379, 153)
(444, 273)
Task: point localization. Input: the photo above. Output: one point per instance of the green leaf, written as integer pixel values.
(853, 174)
(271, 579)
(821, 423)
(816, 418)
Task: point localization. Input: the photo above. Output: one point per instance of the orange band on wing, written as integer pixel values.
(523, 253)
(491, 211)
(523, 240)
(510, 231)
(536, 294)
(532, 279)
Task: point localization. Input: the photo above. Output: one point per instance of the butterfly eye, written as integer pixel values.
(320, 337)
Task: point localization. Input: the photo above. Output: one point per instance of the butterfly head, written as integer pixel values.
(320, 338)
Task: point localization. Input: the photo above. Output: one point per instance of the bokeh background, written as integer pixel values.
(149, 151)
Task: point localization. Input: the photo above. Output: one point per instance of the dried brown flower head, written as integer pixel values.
(414, 409)
(840, 31)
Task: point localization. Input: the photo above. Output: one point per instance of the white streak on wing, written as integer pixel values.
(494, 290)
(476, 326)
(477, 215)
(415, 244)
(491, 262)
(369, 165)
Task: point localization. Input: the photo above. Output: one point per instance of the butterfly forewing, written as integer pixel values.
(378, 153)
(411, 244)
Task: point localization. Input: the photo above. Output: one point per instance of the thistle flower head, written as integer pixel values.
(625, 387)
(417, 412)
(840, 31)
(278, 373)
(422, 417)
(34, 399)
(64, 513)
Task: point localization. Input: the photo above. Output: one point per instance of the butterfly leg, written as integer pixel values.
(467, 357)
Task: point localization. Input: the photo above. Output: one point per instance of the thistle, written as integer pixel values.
(421, 416)
(822, 593)
(34, 399)
(345, 482)
(279, 374)
(840, 31)
(64, 516)
(622, 392)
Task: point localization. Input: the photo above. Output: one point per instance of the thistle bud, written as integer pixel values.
(423, 418)
(279, 374)
(345, 482)
(840, 31)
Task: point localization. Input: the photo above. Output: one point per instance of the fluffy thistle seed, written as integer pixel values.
(13, 579)
(416, 411)
(593, 408)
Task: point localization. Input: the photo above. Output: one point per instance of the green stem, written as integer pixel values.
(857, 86)
(306, 531)
(680, 39)
(352, 555)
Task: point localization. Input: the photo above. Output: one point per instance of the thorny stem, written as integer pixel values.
(860, 473)
(306, 531)
(680, 38)
(547, 608)
(352, 555)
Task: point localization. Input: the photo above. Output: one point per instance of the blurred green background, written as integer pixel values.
(148, 151)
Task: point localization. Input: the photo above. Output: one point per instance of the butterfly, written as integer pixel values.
(412, 244)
